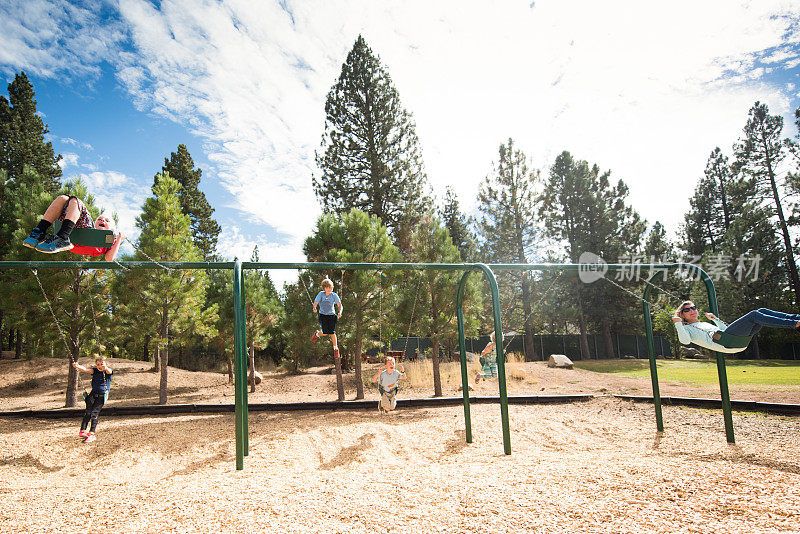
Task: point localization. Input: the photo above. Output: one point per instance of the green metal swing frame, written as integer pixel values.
(240, 335)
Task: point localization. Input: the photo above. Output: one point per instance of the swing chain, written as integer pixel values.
(535, 308)
(53, 313)
(414, 307)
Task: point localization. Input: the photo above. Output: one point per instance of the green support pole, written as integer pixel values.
(648, 328)
(724, 392)
(462, 345)
(501, 361)
(245, 385)
(238, 343)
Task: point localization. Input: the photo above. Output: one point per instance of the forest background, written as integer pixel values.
(379, 207)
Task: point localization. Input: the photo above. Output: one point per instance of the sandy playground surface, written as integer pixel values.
(596, 466)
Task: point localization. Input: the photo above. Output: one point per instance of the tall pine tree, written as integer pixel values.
(508, 225)
(458, 226)
(759, 155)
(370, 157)
(205, 230)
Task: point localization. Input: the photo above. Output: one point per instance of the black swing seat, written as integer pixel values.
(392, 390)
(729, 341)
(88, 237)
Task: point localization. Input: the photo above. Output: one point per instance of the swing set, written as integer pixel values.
(240, 384)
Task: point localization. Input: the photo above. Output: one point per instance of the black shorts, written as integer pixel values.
(328, 323)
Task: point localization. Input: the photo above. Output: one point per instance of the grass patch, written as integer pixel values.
(761, 372)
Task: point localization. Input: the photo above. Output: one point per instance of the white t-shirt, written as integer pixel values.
(389, 380)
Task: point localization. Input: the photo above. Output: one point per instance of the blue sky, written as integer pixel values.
(645, 90)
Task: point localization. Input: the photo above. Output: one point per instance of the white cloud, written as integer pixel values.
(645, 91)
(68, 160)
(638, 88)
(116, 193)
(56, 38)
(234, 243)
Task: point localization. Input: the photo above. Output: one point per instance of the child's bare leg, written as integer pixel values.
(57, 206)
(333, 340)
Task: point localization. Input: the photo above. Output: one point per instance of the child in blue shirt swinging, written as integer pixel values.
(327, 301)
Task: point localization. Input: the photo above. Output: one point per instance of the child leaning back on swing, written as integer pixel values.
(72, 213)
(96, 399)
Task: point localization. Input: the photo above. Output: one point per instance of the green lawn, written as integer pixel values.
(766, 372)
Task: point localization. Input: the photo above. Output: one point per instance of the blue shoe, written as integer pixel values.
(54, 244)
(36, 237)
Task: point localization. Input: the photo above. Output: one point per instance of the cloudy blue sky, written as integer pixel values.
(644, 89)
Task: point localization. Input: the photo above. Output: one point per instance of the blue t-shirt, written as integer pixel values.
(101, 382)
(326, 302)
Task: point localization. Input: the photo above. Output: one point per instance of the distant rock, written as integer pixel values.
(559, 361)
(258, 375)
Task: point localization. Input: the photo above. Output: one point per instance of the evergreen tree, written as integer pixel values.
(262, 307)
(759, 154)
(354, 237)
(586, 213)
(77, 297)
(370, 157)
(508, 226)
(205, 230)
(174, 300)
(434, 303)
(457, 225)
(22, 134)
(712, 207)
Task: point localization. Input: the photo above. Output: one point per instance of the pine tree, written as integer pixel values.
(22, 134)
(205, 230)
(354, 237)
(434, 302)
(457, 225)
(508, 225)
(77, 297)
(174, 300)
(712, 207)
(586, 213)
(370, 157)
(759, 154)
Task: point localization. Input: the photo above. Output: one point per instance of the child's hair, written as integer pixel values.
(98, 357)
(390, 359)
(327, 282)
(491, 336)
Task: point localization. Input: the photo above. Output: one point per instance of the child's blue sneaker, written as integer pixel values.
(54, 244)
(36, 237)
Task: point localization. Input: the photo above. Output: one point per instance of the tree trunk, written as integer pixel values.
(585, 354)
(164, 359)
(251, 362)
(756, 348)
(339, 382)
(530, 353)
(146, 354)
(2, 320)
(608, 340)
(72, 375)
(10, 337)
(794, 278)
(357, 360)
(229, 361)
(437, 379)
(18, 347)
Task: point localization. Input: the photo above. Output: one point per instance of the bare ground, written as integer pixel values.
(595, 466)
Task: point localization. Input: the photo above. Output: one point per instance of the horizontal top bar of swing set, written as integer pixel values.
(320, 266)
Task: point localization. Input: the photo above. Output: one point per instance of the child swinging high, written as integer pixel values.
(72, 213)
(327, 300)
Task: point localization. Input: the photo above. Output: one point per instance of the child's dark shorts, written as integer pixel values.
(84, 219)
(328, 323)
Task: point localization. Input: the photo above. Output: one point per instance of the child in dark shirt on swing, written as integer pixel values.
(96, 399)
